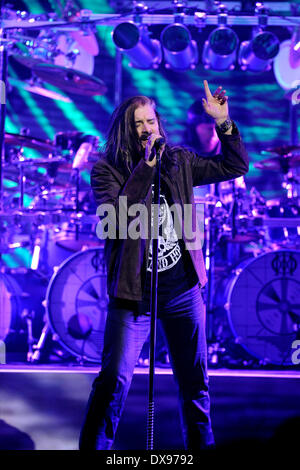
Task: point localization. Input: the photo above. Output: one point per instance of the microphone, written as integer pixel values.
(159, 142)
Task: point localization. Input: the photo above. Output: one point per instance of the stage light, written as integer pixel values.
(257, 55)
(134, 40)
(180, 50)
(219, 51)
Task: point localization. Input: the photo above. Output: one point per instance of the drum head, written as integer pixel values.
(77, 304)
(263, 306)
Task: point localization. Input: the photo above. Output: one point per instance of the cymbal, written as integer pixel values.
(29, 141)
(70, 80)
(28, 60)
(283, 163)
(281, 150)
(44, 162)
(11, 172)
(39, 90)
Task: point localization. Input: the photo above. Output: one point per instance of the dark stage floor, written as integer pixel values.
(42, 407)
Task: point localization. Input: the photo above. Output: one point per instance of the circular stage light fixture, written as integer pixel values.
(144, 52)
(257, 55)
(180, 50)
(219, 51)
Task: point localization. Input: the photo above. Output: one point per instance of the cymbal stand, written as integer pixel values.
(211, 236)
(29, 316)
(118, 77)
(22, 179)
(153, 304)
(293, 115)
(77, 208)
(209, 265)
(234, 209)
(294, 138)
(35, 356)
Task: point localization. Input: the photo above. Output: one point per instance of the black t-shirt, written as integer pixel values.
(176, 273)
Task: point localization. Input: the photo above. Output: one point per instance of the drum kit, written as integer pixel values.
(46, 204)
(51, 213)
(251, 248)
(253, 251)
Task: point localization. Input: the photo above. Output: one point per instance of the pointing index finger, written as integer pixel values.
(207, 90)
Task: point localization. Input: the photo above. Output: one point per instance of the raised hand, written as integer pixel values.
(215, 105)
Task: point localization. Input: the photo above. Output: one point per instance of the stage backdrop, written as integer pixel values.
(257, 103)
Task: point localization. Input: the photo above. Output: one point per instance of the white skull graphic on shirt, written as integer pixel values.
(169, 251)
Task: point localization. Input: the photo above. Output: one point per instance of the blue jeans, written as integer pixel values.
(127, 327)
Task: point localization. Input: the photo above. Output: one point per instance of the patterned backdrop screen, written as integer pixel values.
(257, 103)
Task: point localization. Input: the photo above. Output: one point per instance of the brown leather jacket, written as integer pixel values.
(126, 259)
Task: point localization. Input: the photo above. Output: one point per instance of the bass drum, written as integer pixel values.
(76, 304)
(262, 306)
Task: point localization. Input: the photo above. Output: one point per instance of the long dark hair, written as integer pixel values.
(123, 149)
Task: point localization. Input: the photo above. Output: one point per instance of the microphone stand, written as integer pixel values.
(234, 210)
(153, 302)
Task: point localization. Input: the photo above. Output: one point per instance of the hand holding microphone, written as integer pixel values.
(155, 144)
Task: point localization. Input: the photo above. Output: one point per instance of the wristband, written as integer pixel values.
(225, 125)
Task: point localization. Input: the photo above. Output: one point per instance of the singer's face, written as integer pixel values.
(145, 122)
